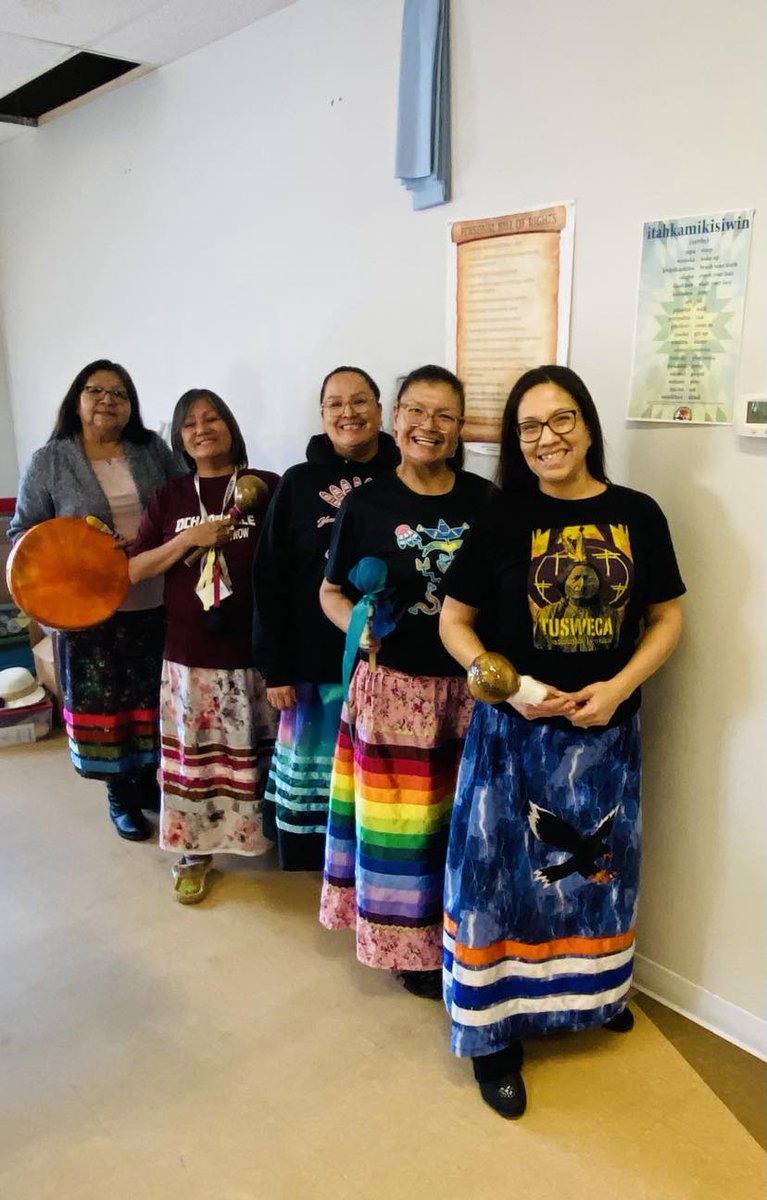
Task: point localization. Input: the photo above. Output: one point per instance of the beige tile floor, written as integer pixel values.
(236, 1051)
(738, 1078)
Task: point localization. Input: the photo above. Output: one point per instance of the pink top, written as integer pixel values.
(120, 490)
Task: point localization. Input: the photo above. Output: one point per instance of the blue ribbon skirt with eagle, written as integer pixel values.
(542, 879)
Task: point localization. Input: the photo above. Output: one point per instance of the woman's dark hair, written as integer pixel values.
(375, 389)
(433, 374)
(180, 413)
(513, 471)
(68, 423)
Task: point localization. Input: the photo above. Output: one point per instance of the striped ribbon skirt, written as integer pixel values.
(110, 679)
(391, 797)
(542, 879)
(217, 739)
(297, 792)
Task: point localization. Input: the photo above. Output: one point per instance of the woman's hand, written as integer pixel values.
(151, 563)
(209, 533)
(596, 703)
(282, 697)
(556, 704)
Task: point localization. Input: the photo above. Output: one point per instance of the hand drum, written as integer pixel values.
(67, 574)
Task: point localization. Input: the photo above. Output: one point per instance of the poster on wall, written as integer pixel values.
(692, 289)
(509, 292)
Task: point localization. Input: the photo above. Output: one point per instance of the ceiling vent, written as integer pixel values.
(72, 81)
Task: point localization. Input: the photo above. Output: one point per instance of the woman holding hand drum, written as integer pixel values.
(102, 461)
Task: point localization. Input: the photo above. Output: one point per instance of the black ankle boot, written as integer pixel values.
(500, 1080)
(622, 1022)
(426, 984)
(124, 811)
(148, 789)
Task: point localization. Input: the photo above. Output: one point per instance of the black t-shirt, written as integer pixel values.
(417, 537)
(562, 585)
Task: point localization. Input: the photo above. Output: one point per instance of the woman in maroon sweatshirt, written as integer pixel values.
(217, 726)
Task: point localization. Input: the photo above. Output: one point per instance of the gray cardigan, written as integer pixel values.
(60, 481)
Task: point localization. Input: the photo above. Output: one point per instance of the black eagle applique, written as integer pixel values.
(584, 850)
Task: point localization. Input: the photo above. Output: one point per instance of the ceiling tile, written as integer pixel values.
(178, 27)
(22, 59)
(72, 22)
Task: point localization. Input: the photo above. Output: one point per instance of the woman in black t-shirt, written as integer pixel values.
(576, 582)
(403, 727)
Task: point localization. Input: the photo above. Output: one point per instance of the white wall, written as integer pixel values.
(8, 462)
(231, 221)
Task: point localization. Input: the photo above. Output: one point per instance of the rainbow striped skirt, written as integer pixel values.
(110, 678)
(391, 796)
(542, 879)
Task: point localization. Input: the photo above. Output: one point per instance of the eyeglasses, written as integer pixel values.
(561, 422)
(418, 415)
(357, 404)
(96, 393)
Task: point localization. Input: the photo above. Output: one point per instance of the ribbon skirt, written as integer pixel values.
(110, 679)
(298, 789)
(391, 797)
(217, 740)
(542, 879)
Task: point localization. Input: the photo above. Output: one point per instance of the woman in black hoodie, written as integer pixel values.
(296, 649)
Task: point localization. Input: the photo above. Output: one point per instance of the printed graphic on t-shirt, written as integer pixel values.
(437, 548)
(245, 522)
(579, 585)
(336, 493)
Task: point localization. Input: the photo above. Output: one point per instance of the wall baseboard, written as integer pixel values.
(712, 1012)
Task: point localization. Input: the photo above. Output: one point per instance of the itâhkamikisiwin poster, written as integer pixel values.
(692, 291)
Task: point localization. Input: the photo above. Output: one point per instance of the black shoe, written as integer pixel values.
(426, 984)
(499, 1076)
(622, 1022)
(130, 824)
(506, 1095)
(148, 790)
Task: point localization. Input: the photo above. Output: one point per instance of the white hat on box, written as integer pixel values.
(18, 688)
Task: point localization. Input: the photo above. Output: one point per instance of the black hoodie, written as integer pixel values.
(292, 638)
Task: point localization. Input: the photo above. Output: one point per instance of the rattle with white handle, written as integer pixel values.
(493, 679)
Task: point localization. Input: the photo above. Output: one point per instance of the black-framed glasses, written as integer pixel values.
(356, 404)
(561, 422)
(97, 392)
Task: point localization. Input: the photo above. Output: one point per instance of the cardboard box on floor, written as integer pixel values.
(45, 666)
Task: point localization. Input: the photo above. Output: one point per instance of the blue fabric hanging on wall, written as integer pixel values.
(423, 126)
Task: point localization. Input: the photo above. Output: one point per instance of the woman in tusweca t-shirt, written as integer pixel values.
(574, 579)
